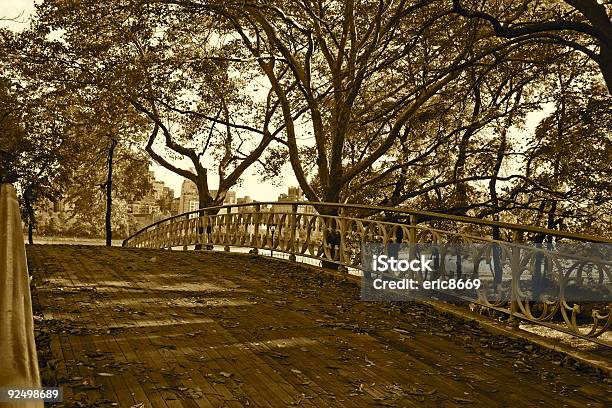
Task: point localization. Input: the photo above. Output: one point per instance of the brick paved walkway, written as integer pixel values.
(144, 328)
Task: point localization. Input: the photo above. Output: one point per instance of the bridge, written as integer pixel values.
(153, 325)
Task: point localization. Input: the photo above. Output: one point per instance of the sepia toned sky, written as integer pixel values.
(19, 9)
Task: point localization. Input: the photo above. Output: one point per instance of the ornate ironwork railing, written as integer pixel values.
(577, 268)
(18, 360)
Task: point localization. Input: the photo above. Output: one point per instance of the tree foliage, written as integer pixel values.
(424, 103)
(176, 77)
(58, 131)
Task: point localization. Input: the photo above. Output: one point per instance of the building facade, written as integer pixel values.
(190, 201)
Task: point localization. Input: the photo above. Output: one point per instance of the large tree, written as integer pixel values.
(364, 79)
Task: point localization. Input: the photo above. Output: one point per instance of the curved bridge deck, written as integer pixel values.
(151, 328)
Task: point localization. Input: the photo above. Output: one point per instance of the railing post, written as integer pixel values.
(210, 223)
(293, 226)
(207, 231)
(515, 266)
(17, 347)
(412, 236)
(184, 226)
(342, 243)
(413, 232)
(200, 231)
(497, 264)
(516, 274)
(228, 229)
(256, 223)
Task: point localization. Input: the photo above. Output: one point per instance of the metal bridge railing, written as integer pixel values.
(336, 233)
(18, 360)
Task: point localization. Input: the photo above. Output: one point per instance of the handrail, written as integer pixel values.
(428, 214)
(531, 281)
(18, 359)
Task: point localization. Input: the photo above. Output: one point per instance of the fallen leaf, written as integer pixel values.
(463, 400)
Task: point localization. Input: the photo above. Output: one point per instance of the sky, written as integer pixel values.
(16, 8)
(252, 184)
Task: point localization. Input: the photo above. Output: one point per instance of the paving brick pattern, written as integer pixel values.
(152, 328)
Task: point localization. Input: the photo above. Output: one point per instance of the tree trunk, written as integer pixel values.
(537, 279)
(30, 214)
(496, 235)
(605, 64)
(204, 200)
(331, 237)
(109, 195)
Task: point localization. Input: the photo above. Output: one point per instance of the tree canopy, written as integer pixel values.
(428, 104)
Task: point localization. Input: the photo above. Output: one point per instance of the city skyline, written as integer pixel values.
(251, 186)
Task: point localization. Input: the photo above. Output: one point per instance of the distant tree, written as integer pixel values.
(36, 156)
(89, 192)
(179, 79)
(59, 127)
(570, 158)
(113, 132)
